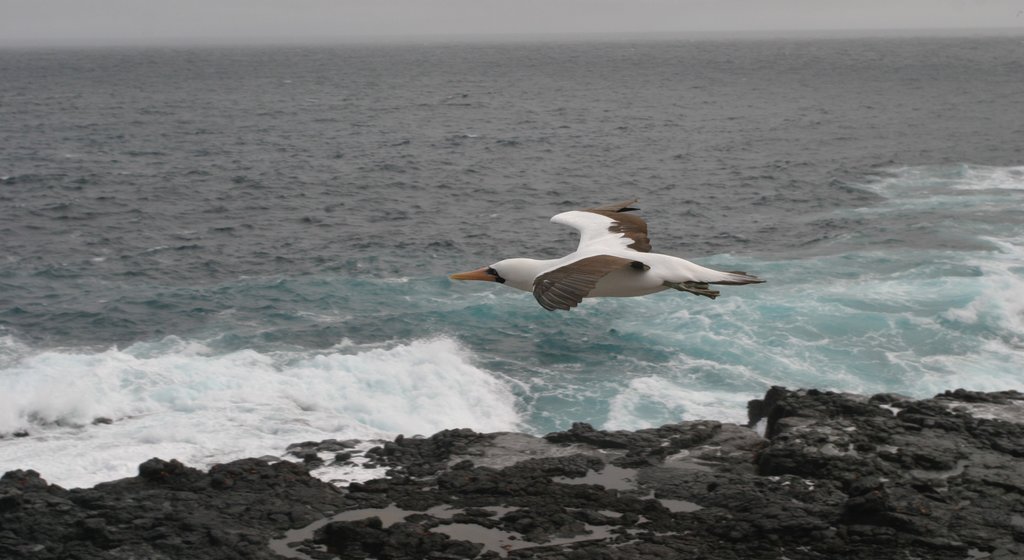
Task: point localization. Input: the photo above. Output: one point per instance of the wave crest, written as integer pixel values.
(176, 398)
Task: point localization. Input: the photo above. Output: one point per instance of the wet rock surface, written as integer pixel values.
(835, 476)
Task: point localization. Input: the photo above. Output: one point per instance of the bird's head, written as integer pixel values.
(517, 273)
(486, 274)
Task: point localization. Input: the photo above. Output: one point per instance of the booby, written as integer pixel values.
(613, 259)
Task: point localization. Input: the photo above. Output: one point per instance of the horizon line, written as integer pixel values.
(508, 37)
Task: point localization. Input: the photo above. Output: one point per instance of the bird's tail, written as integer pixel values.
(704, 288)
(736, 279)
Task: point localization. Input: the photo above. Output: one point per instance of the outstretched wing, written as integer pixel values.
(565, 287)
(608, 225)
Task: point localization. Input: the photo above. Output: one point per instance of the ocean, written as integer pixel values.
(211, 253)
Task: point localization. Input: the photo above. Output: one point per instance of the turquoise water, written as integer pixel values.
(420, 354)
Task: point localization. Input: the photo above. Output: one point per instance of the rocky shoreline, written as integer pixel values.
(813, 475)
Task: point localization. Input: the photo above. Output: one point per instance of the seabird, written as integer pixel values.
(613, 259)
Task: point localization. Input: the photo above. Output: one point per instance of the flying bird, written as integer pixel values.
(613, 259)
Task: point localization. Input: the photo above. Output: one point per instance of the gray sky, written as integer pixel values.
(69, 22)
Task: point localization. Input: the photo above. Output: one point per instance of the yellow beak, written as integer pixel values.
(478, 274)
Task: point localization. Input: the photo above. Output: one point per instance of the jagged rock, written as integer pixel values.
(837, 476)
(582, 432)
(158, 470)
(168, 511)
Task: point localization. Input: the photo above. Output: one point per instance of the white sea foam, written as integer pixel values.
(1002, 284)
(939, 178)
(177, 399)
(981, 177)
(652, 401)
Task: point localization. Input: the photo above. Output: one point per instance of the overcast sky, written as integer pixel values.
(56, 22)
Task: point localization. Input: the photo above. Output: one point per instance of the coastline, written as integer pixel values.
(813, 475)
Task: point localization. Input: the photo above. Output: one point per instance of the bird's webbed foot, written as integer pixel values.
(695, 288)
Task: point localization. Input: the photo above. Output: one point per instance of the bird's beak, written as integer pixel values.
(478, 274)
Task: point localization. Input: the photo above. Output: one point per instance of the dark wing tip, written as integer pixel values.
(624, 206)
(633, 227)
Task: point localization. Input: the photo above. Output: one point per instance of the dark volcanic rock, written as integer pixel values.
(838, 476)
(397, 542)
(425, 456)
(168, 511)
(925, 476)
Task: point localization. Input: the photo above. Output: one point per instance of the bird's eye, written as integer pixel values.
(494, 273)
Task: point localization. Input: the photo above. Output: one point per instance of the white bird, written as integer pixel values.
(613, 259)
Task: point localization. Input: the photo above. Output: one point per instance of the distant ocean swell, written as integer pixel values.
(918, 293)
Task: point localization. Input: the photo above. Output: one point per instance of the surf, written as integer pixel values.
(84, 417)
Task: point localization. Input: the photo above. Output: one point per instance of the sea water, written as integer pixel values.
(209, 254)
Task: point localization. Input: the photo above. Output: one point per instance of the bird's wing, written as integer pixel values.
(608, 225)
(565, 287)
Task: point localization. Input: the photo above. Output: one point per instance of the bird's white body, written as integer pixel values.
(595, 240)
(613, 259)
(520, 273)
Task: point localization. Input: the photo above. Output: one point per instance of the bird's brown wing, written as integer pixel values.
(630, 225)
(565, 287)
